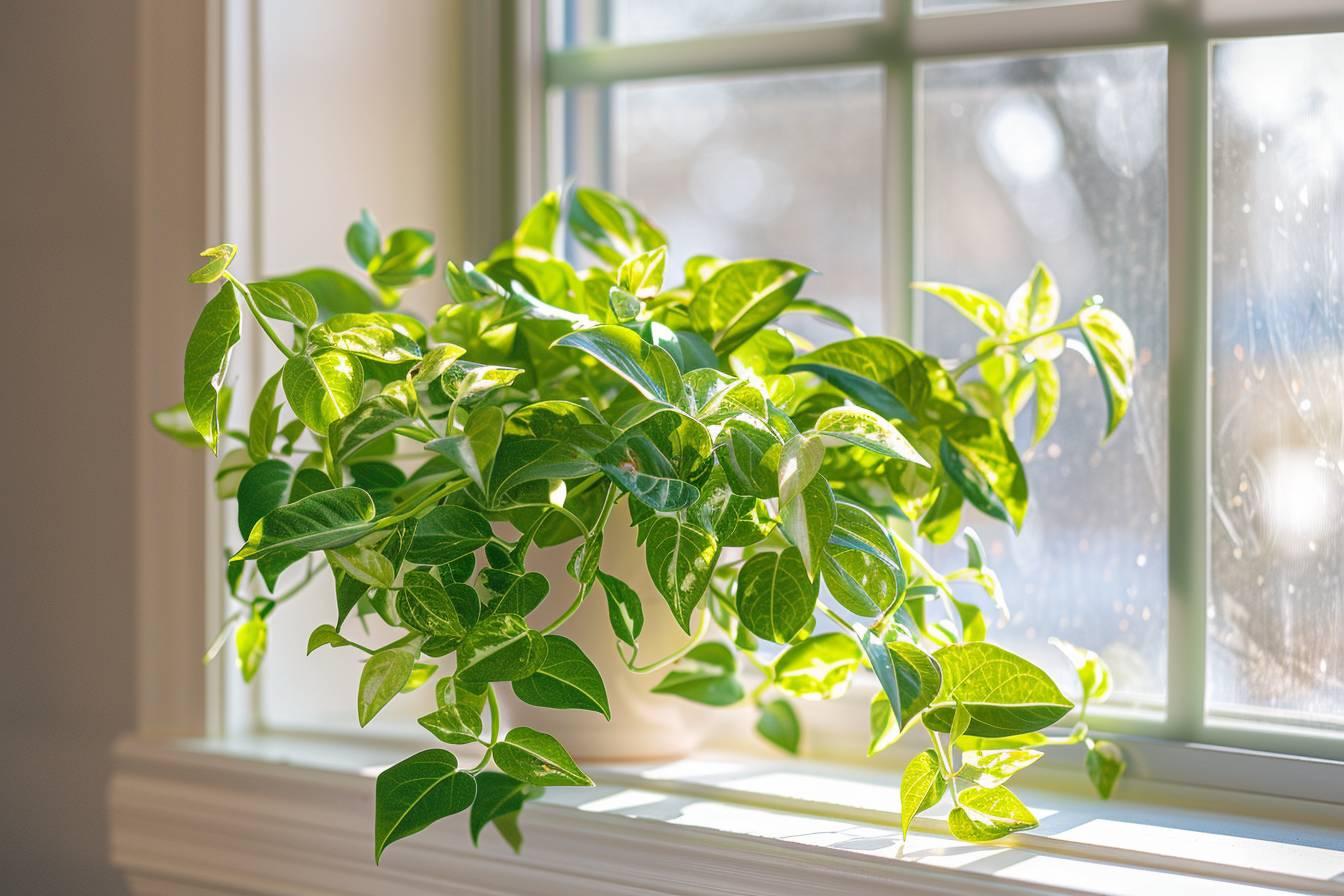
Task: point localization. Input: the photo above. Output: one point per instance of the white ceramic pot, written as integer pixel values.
(643, 726)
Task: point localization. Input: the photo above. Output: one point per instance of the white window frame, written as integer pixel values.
(898, 41)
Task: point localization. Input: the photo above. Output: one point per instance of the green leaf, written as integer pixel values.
(808, 521)
(609, 227)
(1047, 398)
(408, 255)
(749, 455)
(1093, 673)
(424, 606)
(383, 677)
(567, 679)
(281, 300)
(448, 532)
(1105, 765)
(648, 368)
(326, 635)
(538, 228)
(371, 336)
(368, 422)
(642, 275)
(453, 724)
(707, 674)
(799, 462)
(420, 673)
(918, 680)
(220, 256)
(735, 520)
(263, 488)
(1003, 693)
(1034, 305)
(624, 307)
(334, 291)
(775, 598)
(1111, 345)
(961, 720)
(322, 387)
(624, 608)
(329, 519)
(513, 593)
(887, 376)
(680, 559)
(415, 793)
(979, 456)
(233, 466)
(636, 463)
(530, 756)
(778, 723)
(825, 312)
(819, 668)
(743, 296)
(264, 421)
(988, 813)
(983, 311)
(206, 364)
(990, 768)
(862, 427)
(474, 449)
(922, 786)
(462, 384)
(499, 797)
(362, 240)
(500, 648)
(364, 563)
(250, 640)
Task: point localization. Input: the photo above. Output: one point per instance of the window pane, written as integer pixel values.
(646, 21)
(782, 166)
(1276, 617)
(1062, 159)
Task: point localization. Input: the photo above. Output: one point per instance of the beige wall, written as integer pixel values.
(66, 689)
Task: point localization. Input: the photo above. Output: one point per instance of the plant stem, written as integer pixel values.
(961, 369)
(436, 493)
(944, 589)
(945, 761)
(419, 435)
(494, 727)
(261, 319)
(701, 630)
(598, 526)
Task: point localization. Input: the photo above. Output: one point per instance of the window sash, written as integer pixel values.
(898, 41)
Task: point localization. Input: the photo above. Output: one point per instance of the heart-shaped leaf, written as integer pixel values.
(567, 679)
(209, 348)
(415, 793)
(530, 756)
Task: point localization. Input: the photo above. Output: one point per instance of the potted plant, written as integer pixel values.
(641, 449)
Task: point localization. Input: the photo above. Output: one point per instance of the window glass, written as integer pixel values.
(935, 6)
(1275, 616)
(782, 166)
(1062, 159)
(646, 21)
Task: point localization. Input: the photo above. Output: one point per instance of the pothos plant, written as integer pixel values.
(772, 485)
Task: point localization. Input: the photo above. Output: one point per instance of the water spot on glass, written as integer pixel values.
(1054, 451)
(1278, 203)
(1246, 208)
(1302, 196)
(1141, 560)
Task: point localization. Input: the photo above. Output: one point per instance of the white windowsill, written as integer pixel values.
(277, 814)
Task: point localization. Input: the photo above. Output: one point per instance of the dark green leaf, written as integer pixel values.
(528, 755)
(415, 793)
(775, 598)
(708, 674)
(329, 519)
(447, 533)
(369, 421)
(680, 559)
(383, 676)
(646, 367)
(499, 797)
(624, 607)
(500, 648)
(979, 456)
(362, 240)
(423, 605)
(743, 296)
(474, 449)
(453, 724)
(567, 679)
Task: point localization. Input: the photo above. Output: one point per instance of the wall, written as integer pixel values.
(66, 250)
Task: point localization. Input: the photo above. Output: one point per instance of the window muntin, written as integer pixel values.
(646, 21)
(1063, 158)
(1275, 618)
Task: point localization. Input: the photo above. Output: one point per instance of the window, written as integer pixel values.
(964, 139)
